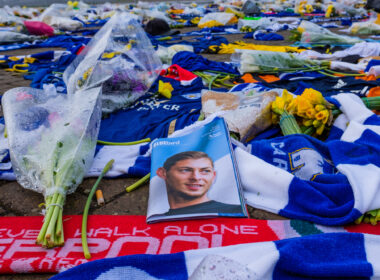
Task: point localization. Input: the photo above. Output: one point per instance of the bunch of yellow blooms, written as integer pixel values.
(310, 108)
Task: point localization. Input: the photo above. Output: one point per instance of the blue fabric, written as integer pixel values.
(323, 256)
(315, 256)
(171, 267)
(295, 151)
(199, 44)
(372, 62)
(261, 36)
(328, 202)
(60, 41)
(346, 22)
(300, 75)
(150, 117)
(194, 62)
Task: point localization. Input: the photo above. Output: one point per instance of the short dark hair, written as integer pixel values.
(183, 156)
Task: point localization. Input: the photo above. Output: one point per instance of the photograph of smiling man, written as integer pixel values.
(188, 177)
(195, 176)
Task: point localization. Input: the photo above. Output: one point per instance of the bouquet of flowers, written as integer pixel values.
(52, 139)
(120, 58)
(274, 62)
(309, 113)
(308, 32)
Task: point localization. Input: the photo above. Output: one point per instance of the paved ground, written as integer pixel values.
(16, 201)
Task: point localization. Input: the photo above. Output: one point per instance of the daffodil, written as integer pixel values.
(303, 104)
(317, 123)
(278, 105)
(319, 107)
(314, 96)
(282, 103)
(310, 113)
(165, 89)
(322, 116)
(320, 129)
(307, 122)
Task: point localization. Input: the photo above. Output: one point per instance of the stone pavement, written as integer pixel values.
(16, 201)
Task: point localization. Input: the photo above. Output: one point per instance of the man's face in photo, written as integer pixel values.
(189, 178)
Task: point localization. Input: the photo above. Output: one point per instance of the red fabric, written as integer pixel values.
(39, 28)
(177, 73)
(112, 236)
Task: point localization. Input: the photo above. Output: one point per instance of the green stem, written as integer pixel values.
(50, 232)
(59, 227)
(309, 131)
(61, 239)
(359, 220)
(138, 183)
(288, 124)
(48, 214)
(124, 143)
(212, 81)
(86, 251)
(327, 74)
(344, 74)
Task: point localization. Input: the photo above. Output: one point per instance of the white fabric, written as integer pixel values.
(265, 186)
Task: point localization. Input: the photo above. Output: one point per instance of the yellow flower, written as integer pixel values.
(310, 113)
(309, 8)
(329, 11)
(300, 29)
(317, 123)
(165, 89)
(278, 105)
(320, 129)
(322, 116)
(286, 96)
(307, 122)
(315, 97)
(285, 102)
(292, 106)
(303, 104)
(319, 107)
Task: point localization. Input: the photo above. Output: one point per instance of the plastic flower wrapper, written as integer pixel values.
(274, 62)
(120, 58)
(313, 33)
(370, 27)
(52, 139)
(217, 19)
